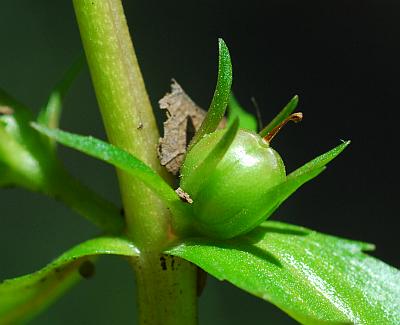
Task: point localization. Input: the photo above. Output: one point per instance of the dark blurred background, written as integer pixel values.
(341, 57)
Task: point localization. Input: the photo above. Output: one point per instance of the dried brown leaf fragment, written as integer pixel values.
(183, 118)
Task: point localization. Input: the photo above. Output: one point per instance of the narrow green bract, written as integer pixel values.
(221, 95)
(284, 113)
(320, 161)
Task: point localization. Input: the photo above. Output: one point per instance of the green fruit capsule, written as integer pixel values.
(233, 196)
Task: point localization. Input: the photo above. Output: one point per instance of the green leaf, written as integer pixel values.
(50, 113)
(246, 120)
(283, 114)
(221, 95)
(116, 157)
(197, 179)
(315, 278)
(24, 297)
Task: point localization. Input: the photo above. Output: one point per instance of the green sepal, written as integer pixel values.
(24, 297)
(197, 176)
(50, 113)
(301, 176)
(221, 95)
(283, 114)
(280, 193)
(320, 161)
(315, 278)
(246, 120)
(116, 157)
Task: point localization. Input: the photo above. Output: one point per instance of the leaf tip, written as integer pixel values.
(51, 133)
(222, 44)
(38, 127)
(368, 247)
(343, 145)
(224, 58)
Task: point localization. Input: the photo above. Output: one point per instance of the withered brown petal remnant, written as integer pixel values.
(182, 113)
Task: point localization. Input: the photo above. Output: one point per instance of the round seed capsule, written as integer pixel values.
(231, 199)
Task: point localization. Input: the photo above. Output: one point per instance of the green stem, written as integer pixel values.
(166, 287)
(126, 111)
(130, 124)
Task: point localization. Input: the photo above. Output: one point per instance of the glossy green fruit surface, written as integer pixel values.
(233, 197)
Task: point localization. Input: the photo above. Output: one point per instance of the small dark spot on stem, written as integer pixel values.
(172, 263)
(163, 263)
(87, 269)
